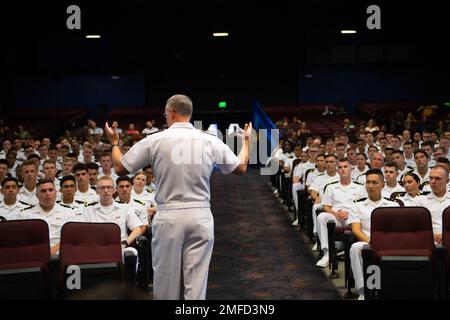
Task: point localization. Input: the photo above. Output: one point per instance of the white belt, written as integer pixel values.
(183, 205)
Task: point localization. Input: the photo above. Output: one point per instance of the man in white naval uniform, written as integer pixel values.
(391, 185)
(27, 193)
(359, 219)
(317, 187)
(437, 200)
(10, 207)
(108, 210)
(337, 201)
(51, 212)
(124, 184)
(84, 191)
(68, 186)
(183, 159)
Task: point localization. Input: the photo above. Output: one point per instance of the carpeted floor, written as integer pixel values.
(257, 254)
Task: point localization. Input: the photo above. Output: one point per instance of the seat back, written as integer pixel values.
(84, 243)
(23, 242)
(24, 259)
(402, 229)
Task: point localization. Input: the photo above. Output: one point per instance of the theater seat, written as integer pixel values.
(402, 245)
(24, 260)
(444, 283)
(95, 248)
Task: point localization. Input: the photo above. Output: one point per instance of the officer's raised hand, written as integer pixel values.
(111, 134)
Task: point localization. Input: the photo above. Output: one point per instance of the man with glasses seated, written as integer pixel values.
(68, 186)
(108, 210)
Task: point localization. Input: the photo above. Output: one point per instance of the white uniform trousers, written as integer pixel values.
(357, 264)
(295, 188)
(314, 215)
(322, 230)
(182, 246)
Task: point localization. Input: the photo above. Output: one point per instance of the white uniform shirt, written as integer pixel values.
(12, 212)
(78, 206)
(27, 196)
(147, 197)
(387, 191)
(89, 196)
(361, 212)
(121, 214)
(436, 207)
(312, 176)
(55, 219)
(411, 162)
(139, 209)
(183, 159)
(321, 181)
(408, 201)
(356, 173)
(342, 197)
(426, 178)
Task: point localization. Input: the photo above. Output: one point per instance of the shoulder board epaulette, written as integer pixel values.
(310, 170)
(94, 188)
(22, 202)
(65, 206)
(395, 195)
(81, 202)
(320, 174)
(325, 188)
(119, 201)
(359, 183)
(28, 208)
(410, 168)
(91, 204)
(58, 201)
(388, 199)
(139, 201)
(423, 193)
(360, 200)
(149, 189)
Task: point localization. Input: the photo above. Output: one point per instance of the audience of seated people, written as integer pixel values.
(365, 170)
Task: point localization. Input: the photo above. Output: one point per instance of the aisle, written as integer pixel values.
(257, 254)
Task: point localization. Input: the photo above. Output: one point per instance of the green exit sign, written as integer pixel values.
(447, 104)
(222, 104)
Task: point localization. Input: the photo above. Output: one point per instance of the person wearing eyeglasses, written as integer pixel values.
(183, 159)
(108, 210)
(68, 187)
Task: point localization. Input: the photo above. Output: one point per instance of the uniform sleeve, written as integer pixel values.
(224, 158)
(327, 199)
(315, 185)
(354, 215)
(298, 171)
(142, 214)
(138, 156)
(132, 219)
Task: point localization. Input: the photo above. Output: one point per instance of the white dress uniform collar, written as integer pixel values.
(176, 125)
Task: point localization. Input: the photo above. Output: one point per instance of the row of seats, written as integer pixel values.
(402, 245)
(27, 271)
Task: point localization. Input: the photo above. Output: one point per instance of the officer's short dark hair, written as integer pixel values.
(33, 156)
(400, 152)
(67, 178)
(440, 160)
(362, 154)
(377, 172)
(4, 161)
(8, 179)
(92, 165)
(124, 178)
(42, 181)
(422, 152)
(80, 167)
(392, 165)
(29, 163)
